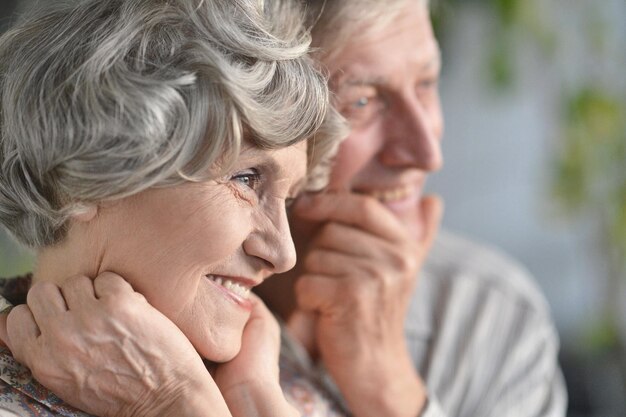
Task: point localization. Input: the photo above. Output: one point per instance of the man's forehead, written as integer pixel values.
(362, 74)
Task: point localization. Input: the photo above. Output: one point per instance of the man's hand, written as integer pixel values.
(359, 274)
(101, 347)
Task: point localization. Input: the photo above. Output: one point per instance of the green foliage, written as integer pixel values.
(511, 21)
(601, 337)
(589, 173)
(589, 169)
(13, 259)
(501, 68)
(508, 11)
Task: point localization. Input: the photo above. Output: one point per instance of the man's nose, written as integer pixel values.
(413, 136)
(271, 241)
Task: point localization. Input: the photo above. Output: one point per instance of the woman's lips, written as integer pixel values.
(237, 290)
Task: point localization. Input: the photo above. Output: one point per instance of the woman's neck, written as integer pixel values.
(73, 256)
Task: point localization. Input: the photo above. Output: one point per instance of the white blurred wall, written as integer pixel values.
(498, 150)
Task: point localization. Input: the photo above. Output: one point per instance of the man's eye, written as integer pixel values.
(428, 83)
(362, 110)
(250, 179)
(361, 102)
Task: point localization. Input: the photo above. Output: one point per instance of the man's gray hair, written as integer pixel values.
(335, 22)
(102, 99)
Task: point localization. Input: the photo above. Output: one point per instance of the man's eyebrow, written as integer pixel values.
(375, 81)
(364, 81)
(433, 63)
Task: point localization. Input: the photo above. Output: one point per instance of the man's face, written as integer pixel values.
(386, 85)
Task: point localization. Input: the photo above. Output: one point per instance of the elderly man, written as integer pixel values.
(466, 333)
(382, 318)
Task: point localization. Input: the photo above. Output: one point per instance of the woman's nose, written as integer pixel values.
(271, 241)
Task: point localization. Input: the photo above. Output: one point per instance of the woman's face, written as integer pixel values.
(195, 250)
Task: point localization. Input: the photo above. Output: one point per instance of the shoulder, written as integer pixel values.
(471, 298)
(457, 262)
(480, 331)
(22, 395)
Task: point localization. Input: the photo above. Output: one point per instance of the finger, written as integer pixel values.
(259, 309)
(110, 284)
(260, 312)
(351, 241)
(261, 326)
(432, 212)
(78, 291)
(45, 300)
(332, 263)
(352, 209)
(22, 331)
(316, 293)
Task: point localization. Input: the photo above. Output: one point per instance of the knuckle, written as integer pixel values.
(40, 290)
(302, 290)
(112, 302)
(75, 281)
(17, 318)
(368, 209)
(327, 232)
(381, 281)
(305, 286)
(112, 278)
(126, 303)
(17, 313)
(300, 287)
(312, 260)
(403, 262)
(373, 271)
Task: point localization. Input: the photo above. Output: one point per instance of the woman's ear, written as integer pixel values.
(85, 212)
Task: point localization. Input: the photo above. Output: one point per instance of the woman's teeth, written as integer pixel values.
(393, 194)
(240, 290)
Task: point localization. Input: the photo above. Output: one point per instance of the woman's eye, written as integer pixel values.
(250, 179)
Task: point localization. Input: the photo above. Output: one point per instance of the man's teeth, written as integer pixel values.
(394, 194)
(233, 286)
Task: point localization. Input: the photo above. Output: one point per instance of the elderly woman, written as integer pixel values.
(161, 141)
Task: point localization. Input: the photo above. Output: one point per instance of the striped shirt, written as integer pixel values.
(480, 335)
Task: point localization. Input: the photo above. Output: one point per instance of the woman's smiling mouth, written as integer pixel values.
(236, 288)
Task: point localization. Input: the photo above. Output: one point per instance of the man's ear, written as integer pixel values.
(85, 212)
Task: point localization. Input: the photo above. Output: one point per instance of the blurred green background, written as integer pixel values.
(534, 97)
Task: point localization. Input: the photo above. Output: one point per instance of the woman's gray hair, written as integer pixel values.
(102, 99)
(335, 22)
